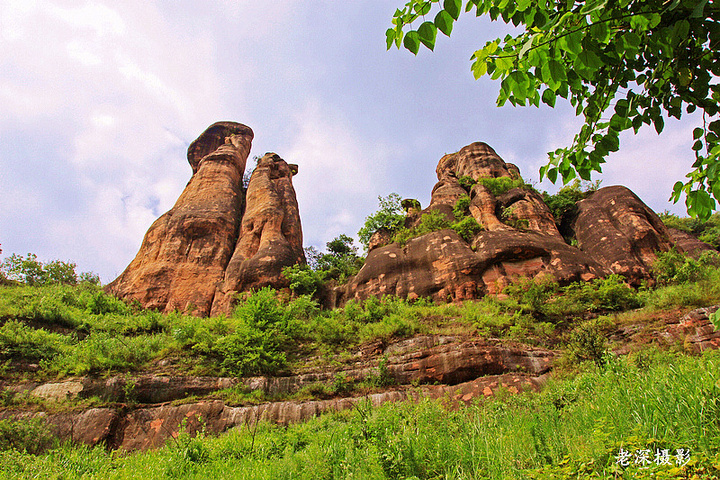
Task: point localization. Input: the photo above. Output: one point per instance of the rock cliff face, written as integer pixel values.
(205, 245)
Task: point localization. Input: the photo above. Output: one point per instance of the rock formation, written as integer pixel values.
(622, 233)
(519, 238)
(271, 235)
(205, 245)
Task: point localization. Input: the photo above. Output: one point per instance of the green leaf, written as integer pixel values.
(571, 43)
(590, 60)
(549, 97)
(552, 174)
(479, 68)
(427, 33)
(659, 124)
(697, 133)
(453, 7)
(390, 37)
(412, 41)
(422, 8)
(444, 22)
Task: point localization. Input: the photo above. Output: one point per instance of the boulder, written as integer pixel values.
(185, 252)
(688, 243)
(621, 233)
(270, 235)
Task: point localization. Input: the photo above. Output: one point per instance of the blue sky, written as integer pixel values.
(100, 100)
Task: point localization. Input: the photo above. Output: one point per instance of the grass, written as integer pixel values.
(63, 330)
(594, 407)
(575, 428)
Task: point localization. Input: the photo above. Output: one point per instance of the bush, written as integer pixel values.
(587, 343)
(467, 182)
(467, 228)
(304, 280)
(674, 268)
(501, 185)
(429, 222)
(462, 207)
(391, 216)
(27, 436)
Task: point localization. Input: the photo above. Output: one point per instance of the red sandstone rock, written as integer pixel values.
(688, 243)
(520, 239)
(270, 235)
(185, 252)
(620, 232)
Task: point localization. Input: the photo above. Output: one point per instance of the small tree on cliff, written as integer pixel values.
(621, 63)
(390, 215)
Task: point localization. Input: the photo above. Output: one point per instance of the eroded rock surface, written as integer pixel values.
(185, 252)
(216, 239)
(519, 238)
(622, 233)
(270, 235)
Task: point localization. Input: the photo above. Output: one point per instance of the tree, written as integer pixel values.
(622, 64)
(390, 215)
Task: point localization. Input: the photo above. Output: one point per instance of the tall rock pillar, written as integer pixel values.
(270, 236)
(184, 254)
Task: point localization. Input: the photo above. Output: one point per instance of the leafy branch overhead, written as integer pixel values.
(622, 64)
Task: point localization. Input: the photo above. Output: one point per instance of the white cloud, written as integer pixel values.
(340, 173)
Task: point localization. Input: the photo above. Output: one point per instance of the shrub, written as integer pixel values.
(602, 294)
(391, 215)
(501, 185)
(674, 268)
(303, 280)
(467, 182)
(587, 343)
(531, 294)
(429, 222)
(462, 207)
(564, 202)
(28, 436)
(467, 228)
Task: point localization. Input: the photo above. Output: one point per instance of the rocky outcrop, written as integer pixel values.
(270, 237)
(622, 233)
(213, 241)
(519, 238)
(688, 243)
(184, 253)
(148, 411)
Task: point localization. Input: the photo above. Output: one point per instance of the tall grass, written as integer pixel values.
(573, 429)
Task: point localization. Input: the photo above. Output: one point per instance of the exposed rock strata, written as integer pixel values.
(152, 426)
(140, 414)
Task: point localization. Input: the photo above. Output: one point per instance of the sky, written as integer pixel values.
(99, 101)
